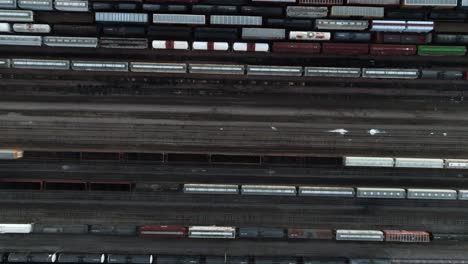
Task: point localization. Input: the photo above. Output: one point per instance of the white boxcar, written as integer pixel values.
(40, 64)
(179, 19)
(170, 44)
(210, 45)
(72, 5)
(456, 164)
(307, 11)
(217, 69)
(31, 28)
(359, 235)
(462, 194)
(386, 193)
(332, 72)
(11, 154)
(368, 162)
(326, 191)
(432, 194)
(251, 47)
(309, 35)
(212, 232)
(268, 190)
(357, 11)
(211, 188)
(418, 163)
(42, 5)
(7, 3)
(16, 228)
(340, 24)
(158, 67)
(274, 70)
(435, 3)
(236, 20)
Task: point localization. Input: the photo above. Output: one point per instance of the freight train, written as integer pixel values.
(233, 69)
(220, 232)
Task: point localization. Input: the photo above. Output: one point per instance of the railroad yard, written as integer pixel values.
(233, 131)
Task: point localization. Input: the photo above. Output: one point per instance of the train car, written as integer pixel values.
(320, 2)
(60, 185)
(216, 33)
(447, 16)
(340, 24)
(123, 43)
(210, 45)
(9, 154)
(307, 11)
(451, 27)
(290, 23)
(158, 67)
(170, 32)
(294, 47)
(368, 162)
(251, 47)
(385, 193)
(165, 8)
(449, 237)
(309, 35)
(72, 5)
(16, 184)
(170, 45)
(215, 9)
(217, 69)
(16, 257)
(357, 11)
(261, 233)
(432, 194)
(8, 4)
(374, 2)
(348, 49)
(333, 260)
(451, 39)
(31, 28)
(71, 42)
(133, 259)
(236, 20)
(20, 40)
(370, 261)
(392, 50)
(119, 31)
(430, 3)
(76, 30)
(263, 33)
(409, 14)
(5, 27)
(359, 235)
(332, 72)
(211, 188)
(99, 66)
(325, 234)
(262, 11)
(402, 26)
(392, 38)
(4, 63)
(113, 17)
(419, 163)
(165, 231)
(60, 229)
(441, 75)
(40, 64)
(405, 236)
(326, 191)
(385, 73)
(16, 228)
(432, 50)
(276, 260)
(179, 19)
(352, 37)
(165, 259)
(212, 232)
(16, 16)
(40, 5)
(274, 70)
(268, 190)
(81, 258)
(456, 164)
(117, 230)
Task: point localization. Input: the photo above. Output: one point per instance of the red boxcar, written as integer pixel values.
(293, 47)
(389, 49)
(345, 48)
(407, 236)
(162, 231)
(310, 233)
(65, 185)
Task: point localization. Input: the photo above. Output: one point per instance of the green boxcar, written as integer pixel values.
(430, 50)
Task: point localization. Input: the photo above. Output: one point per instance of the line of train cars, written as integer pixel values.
(224, 232)
(327, 191)
(233, 69)
(405, 162)
(226, 25)
(99, 258)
